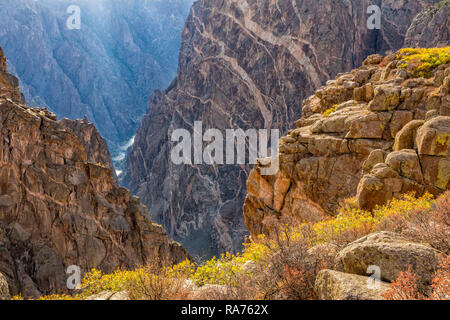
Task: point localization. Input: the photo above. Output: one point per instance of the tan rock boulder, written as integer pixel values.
(391, 253)
(370, 126)
(378, 187)
(406, 163)
(4, 288)
(405, 138)
(362, 144)
(335, 285)
(436, 171)
(385, 98)
(109, 295)
(373, 59)
(375, 157)
(433, 138)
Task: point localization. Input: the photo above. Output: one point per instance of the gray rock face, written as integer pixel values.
(431, 28)
(105, 70)
(246, 64)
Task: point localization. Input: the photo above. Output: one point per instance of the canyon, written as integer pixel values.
(106, 69)
(247, 64)
(361, 124)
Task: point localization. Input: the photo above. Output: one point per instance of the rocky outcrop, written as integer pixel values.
(342, 145)
(335, 285)
(58, 209)
(9, 85)
(4, 288)
(105, 70)
(431, 28)
(423, 169)
(96, 148)
(392, 254)
(249, 64)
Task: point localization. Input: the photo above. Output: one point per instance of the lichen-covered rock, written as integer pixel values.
(391, 253)
(426, 169)
(406, 137)
(433, 138)
(335, 285)
(250, 64)
(322, 255)
(109, 295)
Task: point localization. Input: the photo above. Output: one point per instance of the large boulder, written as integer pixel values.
(386, 98)
(436, 171)
(335, 285)
(405, 138)
(378, 187)
(433, 138)
(391, 253)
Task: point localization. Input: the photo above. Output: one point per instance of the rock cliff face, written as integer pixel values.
(123, 50)
(60, 206)
(431, 27)
(246, 64)
(373, 133)
(96, 147)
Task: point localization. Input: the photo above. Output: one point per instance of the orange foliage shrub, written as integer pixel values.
(405, 287)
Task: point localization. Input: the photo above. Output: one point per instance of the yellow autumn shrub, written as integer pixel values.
(166, 283)
(422, 60)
